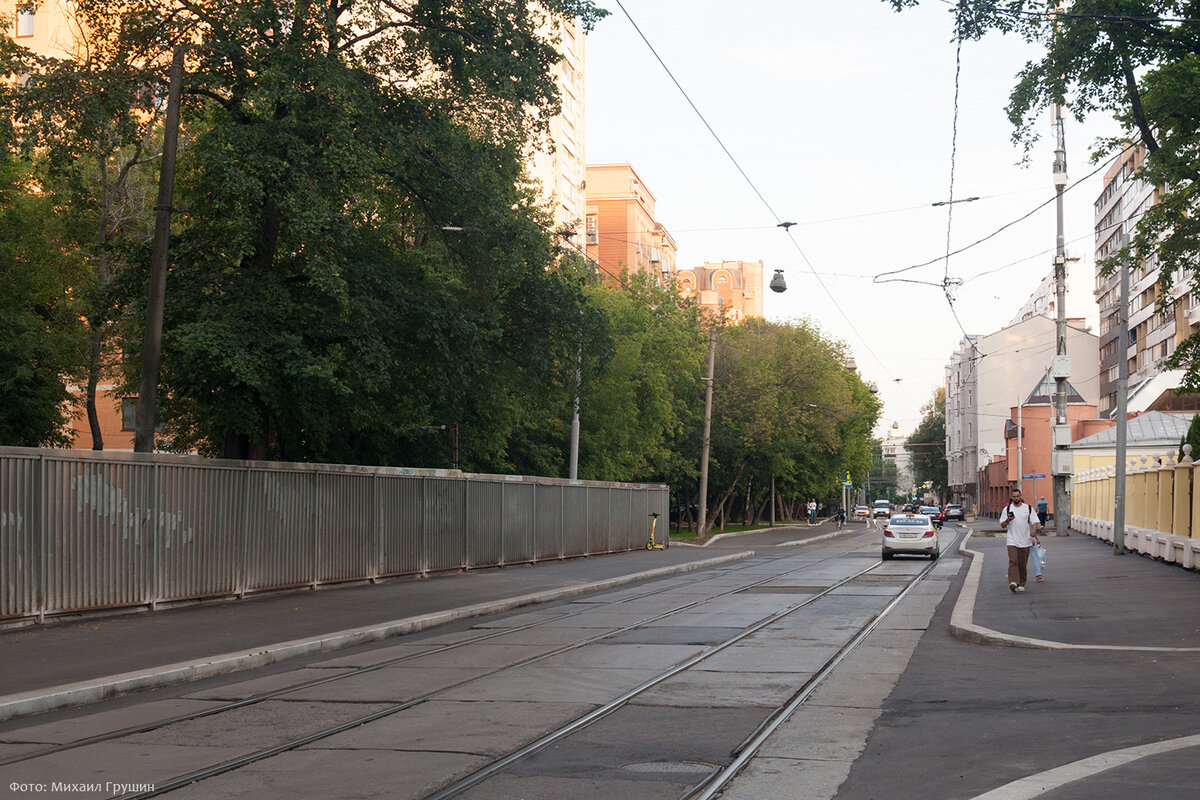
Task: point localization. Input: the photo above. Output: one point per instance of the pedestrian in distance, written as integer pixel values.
(1021, 524)
(1041, 509)
(812, 511)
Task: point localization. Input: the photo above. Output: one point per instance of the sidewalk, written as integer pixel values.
(1090, 598)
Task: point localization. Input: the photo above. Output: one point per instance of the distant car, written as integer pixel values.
(883, 508)
(910, 533)
(910, 508)
(862, 511)
(953, 511)
(934, 513)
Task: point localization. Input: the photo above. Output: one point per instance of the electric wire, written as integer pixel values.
(779, 220)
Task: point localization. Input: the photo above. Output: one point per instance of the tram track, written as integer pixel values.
(282, 692)
(710, 784)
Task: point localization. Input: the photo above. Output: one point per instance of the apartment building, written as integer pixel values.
(560, 168)
(620, 229)
(732, 288)
(1155, 327)
(47, 28)
(988, 375)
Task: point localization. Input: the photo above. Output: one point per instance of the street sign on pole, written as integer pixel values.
(1032, 477)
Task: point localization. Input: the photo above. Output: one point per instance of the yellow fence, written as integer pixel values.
(1162, 506)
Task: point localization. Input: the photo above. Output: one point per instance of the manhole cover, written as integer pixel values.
(672, 767)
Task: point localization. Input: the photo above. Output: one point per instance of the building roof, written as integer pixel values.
(1043, 393)
(1151, 428)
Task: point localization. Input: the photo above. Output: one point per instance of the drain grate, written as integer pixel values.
(671, 767)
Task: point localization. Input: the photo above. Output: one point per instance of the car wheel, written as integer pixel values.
(934, 555)
(887, 556)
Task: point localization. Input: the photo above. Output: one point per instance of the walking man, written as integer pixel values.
(1021, 524)
(1041, 507)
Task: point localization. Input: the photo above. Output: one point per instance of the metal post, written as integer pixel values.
(1062, 501)
(772, 501)
(1122, 413)
(573, 467)
(1020, 448)
(708, 391)
(152, 336)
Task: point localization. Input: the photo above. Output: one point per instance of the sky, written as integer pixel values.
(841, 114)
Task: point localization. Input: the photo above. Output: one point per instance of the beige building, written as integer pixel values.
(48, 29)
(560, 166)
(734, 288)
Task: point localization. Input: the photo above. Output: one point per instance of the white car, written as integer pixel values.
(910, 533)
(883, 508)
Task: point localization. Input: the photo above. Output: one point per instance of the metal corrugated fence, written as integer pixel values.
(83, 530)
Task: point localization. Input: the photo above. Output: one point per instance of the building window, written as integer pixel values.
(25, 21)
(129, 414)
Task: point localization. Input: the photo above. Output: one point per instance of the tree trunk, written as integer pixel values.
(737, 476)
(93, 378)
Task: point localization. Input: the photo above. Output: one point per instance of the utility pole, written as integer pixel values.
(573, 465)
(708, 390)
(1122, 413)
(1020, 447)
(143, 437)
(1060, 466)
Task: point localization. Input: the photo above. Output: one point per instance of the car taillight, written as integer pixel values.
(928, 533)
(888, 533)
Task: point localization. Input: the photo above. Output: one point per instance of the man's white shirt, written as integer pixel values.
(1020, 527)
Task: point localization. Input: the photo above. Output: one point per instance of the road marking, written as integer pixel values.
(1039, 784)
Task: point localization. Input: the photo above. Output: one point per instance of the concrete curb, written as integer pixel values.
(962, 619)
(822, 537)
(76, 694)
(721, 536)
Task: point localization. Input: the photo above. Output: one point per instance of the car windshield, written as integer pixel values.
(915, 520)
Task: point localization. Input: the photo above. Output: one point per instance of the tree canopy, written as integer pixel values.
(359, 262)
(927, 445)
(1139, 61)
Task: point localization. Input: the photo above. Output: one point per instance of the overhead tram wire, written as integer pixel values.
(779, 220)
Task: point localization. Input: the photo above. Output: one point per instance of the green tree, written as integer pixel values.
(1193, 438)
(317, 306)
(42, 335)
(927, 445)
(89, 124)
(1138, 60)
(786, 406)
(639, 413)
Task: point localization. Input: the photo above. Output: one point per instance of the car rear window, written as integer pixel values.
(910, 521)
(928, 510)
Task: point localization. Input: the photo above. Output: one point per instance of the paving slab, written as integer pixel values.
(342, 774)
(481, 728)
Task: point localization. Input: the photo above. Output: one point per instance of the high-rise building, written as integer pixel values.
(621, 233)
(734, 288)
(1156, 324)
(561, 166)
